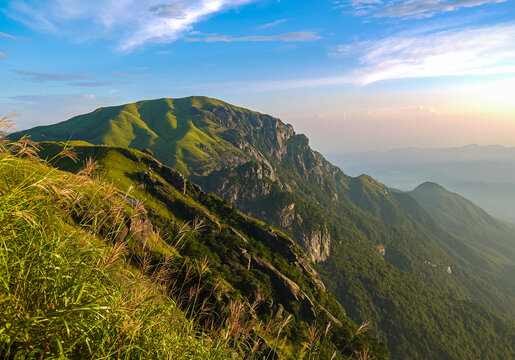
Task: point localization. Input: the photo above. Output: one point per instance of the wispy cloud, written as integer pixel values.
(300, 36)
(271, 24)
(275, 85)
(163, 52)
(43, 76)
(8, 36)
(471, 51)
(135, 23)
(4, 55)
(408, 8)
(300, 83)
(72, 79)
(31, 14)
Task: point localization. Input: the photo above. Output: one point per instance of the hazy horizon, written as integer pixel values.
(456, 147)
(485, 175)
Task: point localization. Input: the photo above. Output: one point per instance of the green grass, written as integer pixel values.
(64, 293)
(464, 219)
(70, 288)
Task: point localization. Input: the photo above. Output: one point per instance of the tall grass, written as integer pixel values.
(66, 294)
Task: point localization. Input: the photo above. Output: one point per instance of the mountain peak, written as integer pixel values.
(439, 201)
(430, 186)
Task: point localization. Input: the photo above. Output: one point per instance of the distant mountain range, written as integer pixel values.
(432, 272)
(484, 174)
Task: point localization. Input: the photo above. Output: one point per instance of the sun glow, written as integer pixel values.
(490, 99)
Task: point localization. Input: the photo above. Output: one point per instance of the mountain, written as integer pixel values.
(383, 256)
(465, 220)
(484, 174)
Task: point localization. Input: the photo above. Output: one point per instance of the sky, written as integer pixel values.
(352, 75)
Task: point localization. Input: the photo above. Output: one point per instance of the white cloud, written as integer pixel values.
(408, 8)
(91, 84)
(3, 55)
(431, 110)
(73, 79)
(416, 54)
(476, 51)
(124, 75)
(300, 83)
(271, 24)
(134, 22)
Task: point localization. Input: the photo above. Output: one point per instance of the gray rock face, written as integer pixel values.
(258, 183)
(140, 227)
(287, 216)
(291, 294)
(317, 245)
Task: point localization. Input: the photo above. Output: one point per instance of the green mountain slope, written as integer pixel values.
(373, 247)
(168, 127)
(248, 261)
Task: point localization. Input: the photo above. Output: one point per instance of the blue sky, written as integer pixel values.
(352, 75)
